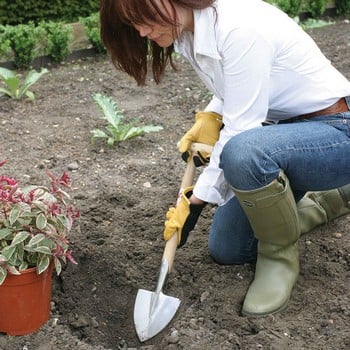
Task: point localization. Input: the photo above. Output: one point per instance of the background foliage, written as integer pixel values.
(23, 11)
(32, 28)
(18, 11)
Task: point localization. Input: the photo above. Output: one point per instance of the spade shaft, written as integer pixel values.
(154, 310)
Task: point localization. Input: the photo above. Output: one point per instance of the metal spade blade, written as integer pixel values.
(154, 310)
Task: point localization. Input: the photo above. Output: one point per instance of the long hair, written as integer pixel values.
(129, 51)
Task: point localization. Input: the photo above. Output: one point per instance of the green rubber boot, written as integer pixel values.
(272, 213)
(317, 208)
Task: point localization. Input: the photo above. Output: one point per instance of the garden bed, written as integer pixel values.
(124, 192)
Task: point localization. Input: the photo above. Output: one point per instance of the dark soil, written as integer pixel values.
(123, 193)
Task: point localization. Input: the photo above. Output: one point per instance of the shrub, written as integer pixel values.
(92, 28)
(291, 7)
(4, 42)
(342, 6)
(315, 7)
(22, 40)
(57, 38)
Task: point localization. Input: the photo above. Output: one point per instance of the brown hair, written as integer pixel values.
(129, 51)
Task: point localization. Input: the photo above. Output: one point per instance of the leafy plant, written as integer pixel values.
(34, 223)
(291, 7)
(342, 6)
(315, 23)
(92, 28)
(117, 130)
(315, 7)
(58, 37)
(4, 42)
(22, 39)
(12, 81)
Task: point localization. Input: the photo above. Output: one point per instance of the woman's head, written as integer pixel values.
(135, 31)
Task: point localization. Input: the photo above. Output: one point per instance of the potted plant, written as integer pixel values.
(34, 223)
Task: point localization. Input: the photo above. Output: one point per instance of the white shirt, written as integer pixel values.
(259, 65)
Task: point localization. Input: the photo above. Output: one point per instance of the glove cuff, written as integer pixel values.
(212, 115)
(190, 223)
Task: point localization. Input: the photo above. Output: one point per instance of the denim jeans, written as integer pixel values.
(314, 154)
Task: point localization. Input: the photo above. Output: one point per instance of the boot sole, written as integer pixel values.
(250, 314)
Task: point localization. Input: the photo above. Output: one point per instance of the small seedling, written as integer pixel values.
(13, 87)
(117, 130)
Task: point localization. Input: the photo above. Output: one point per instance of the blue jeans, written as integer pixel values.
(314, 154)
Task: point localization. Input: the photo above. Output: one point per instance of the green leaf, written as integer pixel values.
(19, 253)
(98, 133)
(13, 270)
(30, 95)
(40, 205)
(14, 214)
(63, 220)
(13, 86)
(58, 265)
(43, 264)
(110, 141)
(41, 221)
(3, 274)
(4, 232)
(23, 266)
(6, 73)
(39, 249)
(20, 237)
(36, 239)
(6, 92)
(24, 206)
(32, 77)
(8, 251)
(109, 109)
(141, 130)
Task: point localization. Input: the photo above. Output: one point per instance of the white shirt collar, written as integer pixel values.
(204, 38)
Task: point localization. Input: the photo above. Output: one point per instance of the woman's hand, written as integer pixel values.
(183, 218)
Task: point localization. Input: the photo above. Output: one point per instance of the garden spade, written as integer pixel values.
(154, 310)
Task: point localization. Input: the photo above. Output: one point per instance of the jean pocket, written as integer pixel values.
(340, 121)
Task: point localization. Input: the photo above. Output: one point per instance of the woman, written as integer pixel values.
(279, 122)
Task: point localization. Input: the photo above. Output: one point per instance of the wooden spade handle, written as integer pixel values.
(187, 180)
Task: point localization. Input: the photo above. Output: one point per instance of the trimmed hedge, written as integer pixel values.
(24, 11)
(342, 6)
(14, 12)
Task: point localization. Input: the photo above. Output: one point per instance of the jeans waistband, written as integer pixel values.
(342, 105)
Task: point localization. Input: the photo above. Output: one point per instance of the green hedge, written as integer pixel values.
(342, 6)
(23, 11)
(22, 43)
(315, 8)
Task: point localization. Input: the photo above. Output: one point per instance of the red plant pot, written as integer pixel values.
(25, 301)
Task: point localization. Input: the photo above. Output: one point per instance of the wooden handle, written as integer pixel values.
(187, 180)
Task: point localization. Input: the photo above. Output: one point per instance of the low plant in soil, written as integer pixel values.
(117, 130)
(14, 87)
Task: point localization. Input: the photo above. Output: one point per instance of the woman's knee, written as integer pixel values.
(232, 251)
(244, 160)
(236, 152)
(224, 256)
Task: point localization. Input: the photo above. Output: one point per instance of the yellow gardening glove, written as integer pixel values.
(205, 130)
(183, 218)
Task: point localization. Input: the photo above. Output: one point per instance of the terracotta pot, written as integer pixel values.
(25, 301)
